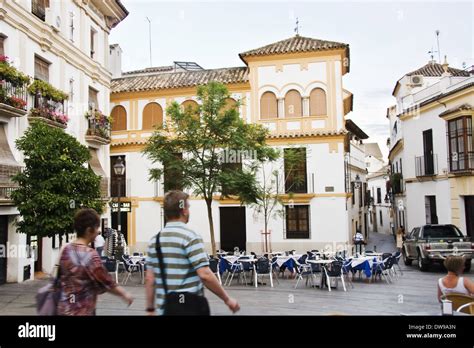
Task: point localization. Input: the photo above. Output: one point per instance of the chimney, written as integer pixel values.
(115, 60)
(445, 67)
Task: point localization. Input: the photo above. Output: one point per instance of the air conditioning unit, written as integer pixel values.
(416, 80)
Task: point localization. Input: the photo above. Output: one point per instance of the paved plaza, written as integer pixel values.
(413, 292)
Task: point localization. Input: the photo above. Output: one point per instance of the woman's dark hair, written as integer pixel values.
(84, 219)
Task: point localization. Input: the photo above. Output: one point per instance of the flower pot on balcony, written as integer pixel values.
(10, 111)
(97, 139)
(47, 121)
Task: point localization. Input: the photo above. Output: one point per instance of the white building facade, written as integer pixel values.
(299, 96)
(65, 44)
(436, 152)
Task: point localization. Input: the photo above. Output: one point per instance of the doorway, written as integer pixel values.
(428, 151)
(469, 212)
(233, 231)
(123, 223)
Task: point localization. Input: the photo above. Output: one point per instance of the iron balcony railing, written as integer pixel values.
(426, 165)
(7, 186)
(99, 128)
(15, 96)
(461, 162)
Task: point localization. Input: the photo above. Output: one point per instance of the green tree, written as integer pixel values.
(202, 135)
(54, 183)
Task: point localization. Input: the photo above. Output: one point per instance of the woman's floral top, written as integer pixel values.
(83, 277)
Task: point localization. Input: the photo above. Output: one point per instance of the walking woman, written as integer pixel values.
(400, 238)
(82, 274)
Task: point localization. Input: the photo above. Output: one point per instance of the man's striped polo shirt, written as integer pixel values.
(183, 253)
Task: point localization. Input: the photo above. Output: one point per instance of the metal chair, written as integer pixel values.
(263, 267)
(333, 270)
(467, 308)
(130, 268)
(458, 300)
(214, 266)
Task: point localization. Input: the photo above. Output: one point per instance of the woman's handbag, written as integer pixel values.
(180, 303)
(47, 297)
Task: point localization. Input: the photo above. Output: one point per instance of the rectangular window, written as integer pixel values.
(381, 219)
(401, 168)
(361, 202)
(379, 195)
(297, 222)
(93, 98)
(41, 69)
(295, 170)
(93, 43)
(172, 176)
(430, 210)
(38, 8)
(460, 143)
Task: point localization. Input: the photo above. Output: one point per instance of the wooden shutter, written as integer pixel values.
(2, 49)
(317, 102)
(41, 69)
(293, 104)
(119, 118)
(268, 106)
(152, 116)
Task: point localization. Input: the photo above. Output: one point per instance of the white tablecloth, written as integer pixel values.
(282, 259)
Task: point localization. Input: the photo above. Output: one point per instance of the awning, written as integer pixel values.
(8, 165)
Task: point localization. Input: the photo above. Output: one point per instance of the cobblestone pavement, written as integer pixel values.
(414, 291)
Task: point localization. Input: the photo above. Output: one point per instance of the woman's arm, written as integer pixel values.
(469, 285)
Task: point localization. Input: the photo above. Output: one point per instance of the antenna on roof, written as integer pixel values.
(297, 27)
(149, 36)
(437, 42)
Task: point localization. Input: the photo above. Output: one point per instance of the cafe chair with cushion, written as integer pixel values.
(111, 266)
(263, 267)
(383, 269)
(346, 270)
(334, 271)
(235, 268)
(275, 268)
(396, 259)
(458, 300)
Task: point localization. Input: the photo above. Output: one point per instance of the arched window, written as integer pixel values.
(293, 104)
(152, 116)
(190, 105)
(268, 106)
(317, 102)
(230, 103)
(119, 118)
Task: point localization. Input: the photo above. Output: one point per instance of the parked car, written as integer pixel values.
(433, 243)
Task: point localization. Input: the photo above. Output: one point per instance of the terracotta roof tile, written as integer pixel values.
(433, 69)
(178, 79)
(294, 44)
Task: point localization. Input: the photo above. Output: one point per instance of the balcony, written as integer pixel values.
(294, 125)
(426, 166)
(7, 186)
(13, 91)
(48, 105)
(98, 130)
(395, 183)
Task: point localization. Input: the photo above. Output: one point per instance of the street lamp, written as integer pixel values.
(119, 170)
(357, 182)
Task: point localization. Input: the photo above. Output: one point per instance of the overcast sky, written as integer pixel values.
(386, 39)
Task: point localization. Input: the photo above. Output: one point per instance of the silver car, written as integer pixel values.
(433, 243)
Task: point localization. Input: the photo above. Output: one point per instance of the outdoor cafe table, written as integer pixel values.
(323, 263)
(289, 261)
(230, 260)
(364, 263)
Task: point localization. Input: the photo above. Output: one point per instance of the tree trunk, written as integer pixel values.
(211, 226)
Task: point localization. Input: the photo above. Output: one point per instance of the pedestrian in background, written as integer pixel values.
(82, 275)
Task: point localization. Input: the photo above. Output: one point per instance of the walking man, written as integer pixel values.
(185, 261)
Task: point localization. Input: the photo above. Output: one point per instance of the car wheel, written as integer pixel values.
(406, 260)
(467, 266)
(423, 264)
